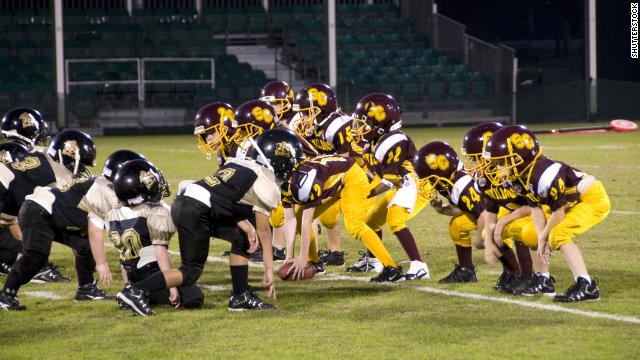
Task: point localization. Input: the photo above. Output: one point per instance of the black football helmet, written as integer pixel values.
(12, 151)
(25, 125)
(74, 149)
(280, 150)
(138, 181)
(116, 160)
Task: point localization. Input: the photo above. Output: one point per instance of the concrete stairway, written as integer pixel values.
(263, 58)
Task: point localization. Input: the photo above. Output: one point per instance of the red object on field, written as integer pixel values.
(619, 125)
(309, 272)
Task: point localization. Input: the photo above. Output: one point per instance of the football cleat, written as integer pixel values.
(279, 254)
(135, 300)
(248, 301)
(366, 264)
(91, 292)
(4, 269)
(460, 275)
(582, 290)
(388, 274)
(10, 302)
(505, 283)
(544, 285)
(334, 258)
(526, 287)
(50, 273)
(417, 270)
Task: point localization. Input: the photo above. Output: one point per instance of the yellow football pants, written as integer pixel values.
(592, 208)
(277, 217)
(395, 217)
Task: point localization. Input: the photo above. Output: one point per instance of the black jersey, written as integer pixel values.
(73, 204)
(236, 190)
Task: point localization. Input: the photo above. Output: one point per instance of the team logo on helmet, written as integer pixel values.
(319, 97)
(71, 148)
(437, 162)
(148, 179)
(520, 141)
(375, 111)
(5, 157)
(262, 114)
(283, 149)
(28, 120)
(225, 114)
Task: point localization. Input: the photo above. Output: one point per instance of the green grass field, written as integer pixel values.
(332, 318)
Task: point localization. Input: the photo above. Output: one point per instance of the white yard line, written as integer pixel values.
(44, 295)
(623, 212)
(474, 296)
(212, 287)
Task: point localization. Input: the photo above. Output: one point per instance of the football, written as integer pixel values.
(309, 272)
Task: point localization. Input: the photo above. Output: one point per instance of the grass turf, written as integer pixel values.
(353, 319)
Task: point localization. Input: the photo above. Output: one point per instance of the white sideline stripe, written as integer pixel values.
(44, 295)
(427, 289)
(212, 287)
(622, 212)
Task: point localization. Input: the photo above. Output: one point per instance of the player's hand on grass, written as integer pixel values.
(269, 284)
(174, 297)
(104, 273)
(437, 205)
(297, 270)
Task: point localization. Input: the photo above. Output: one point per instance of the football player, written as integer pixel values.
(328, 129)
(506, 213)
(332, 184)
(376, 120)
(213, 130)
(141, 230)
(71, 214)
(250, 120)
(577, 201)
(25, 127)
(280, 95)
(226, 204)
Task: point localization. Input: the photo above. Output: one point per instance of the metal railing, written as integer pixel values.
(141, 81)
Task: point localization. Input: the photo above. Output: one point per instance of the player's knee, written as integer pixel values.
(28, 266)
(529, 236)
(558, 238)
(354, 228)
(190, 273)
(240, 245)
(394, 227)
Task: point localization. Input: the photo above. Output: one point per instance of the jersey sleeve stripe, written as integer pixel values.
(460, 185)
(545, 181)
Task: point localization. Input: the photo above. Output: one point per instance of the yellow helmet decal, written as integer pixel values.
(225, 113)
(375, 111)
(437, 162)
(262, 114)
(317, 96)
(520, 141)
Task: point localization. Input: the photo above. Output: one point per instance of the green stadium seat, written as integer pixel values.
(480, 88)
(236, 23)
(411, 91)
(257, 24)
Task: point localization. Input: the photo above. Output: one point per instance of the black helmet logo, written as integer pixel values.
(148, 179)
(28, 120)
(71, 149)
(283, 149)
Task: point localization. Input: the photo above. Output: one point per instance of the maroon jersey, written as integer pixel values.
(552, 183)
(494, 197)
(332, 135)
(393, 153)
(316, 180)
(464, 194)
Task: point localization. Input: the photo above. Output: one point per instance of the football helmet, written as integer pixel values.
(280, 150)
(511, 151)
(473, 145)
(435, 164)
(375, 115)
(280, 95)
(74, 149)
(212, 127)
(315, 101)
(251, 119)
(116, 160)
(25, 125)
(137, 181)
(12, 151)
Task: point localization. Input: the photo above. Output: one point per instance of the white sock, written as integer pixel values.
(544, 274)
(585, 276)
